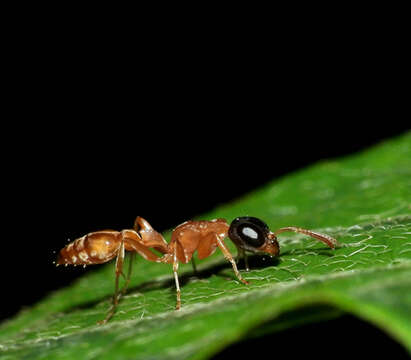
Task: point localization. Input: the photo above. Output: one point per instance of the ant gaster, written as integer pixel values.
(249, 234)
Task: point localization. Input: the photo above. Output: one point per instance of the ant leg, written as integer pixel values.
(119, 271)
(130, 265)
(134, 244)
(247, 268)
(193, 263)
(328, 240)
(241, 253)
(175, 268)
(229, 257)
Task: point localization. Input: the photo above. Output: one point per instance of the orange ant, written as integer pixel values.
(249, 234)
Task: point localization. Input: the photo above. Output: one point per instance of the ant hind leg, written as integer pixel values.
(119, 271)
(127, 279)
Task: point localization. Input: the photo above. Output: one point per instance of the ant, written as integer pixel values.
(249, 234)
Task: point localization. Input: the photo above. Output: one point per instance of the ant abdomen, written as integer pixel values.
(93, 248)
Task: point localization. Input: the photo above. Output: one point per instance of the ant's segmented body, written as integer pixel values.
(249, 234)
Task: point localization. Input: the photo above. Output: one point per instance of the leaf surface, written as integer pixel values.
(362, 200)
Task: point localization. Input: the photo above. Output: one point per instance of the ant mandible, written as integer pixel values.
(249, 234)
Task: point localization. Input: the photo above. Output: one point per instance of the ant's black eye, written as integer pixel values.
(248, 232)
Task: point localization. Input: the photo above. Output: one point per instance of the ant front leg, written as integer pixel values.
(119, 271)
(229, 257)
(241, 254)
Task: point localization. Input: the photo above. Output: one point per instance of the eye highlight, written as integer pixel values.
(248, 232)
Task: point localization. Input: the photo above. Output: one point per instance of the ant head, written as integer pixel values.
(252, 234)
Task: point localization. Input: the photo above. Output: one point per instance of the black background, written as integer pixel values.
(95, 143)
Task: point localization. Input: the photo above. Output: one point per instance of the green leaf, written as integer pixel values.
(362, 200)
